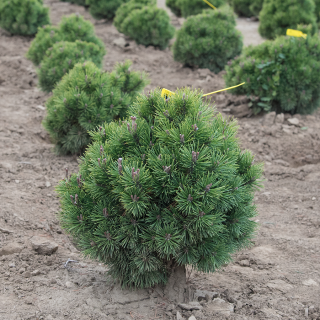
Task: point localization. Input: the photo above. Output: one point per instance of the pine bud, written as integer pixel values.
(183, 96)
(101, 147)
(71, 197)
(120, 165)
(143, 156)
(107, 235)
(195, 156)
(76, 199)
(189, 198)
(207, 188)
(99, 161)
(168, 236)
(80, 218)
(111, 106)
(166, 169)
(151, 144)
(104, 161)
(182, 138)
(159, 157)
(201, 214)
(134, 198)
(128, 126)
(105, 213)
(167, 132)
(135, 174)
(194, 127)
(166, 114)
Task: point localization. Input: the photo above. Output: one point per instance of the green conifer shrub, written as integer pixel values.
(104, 9)
(62, 57)
(149, 26)
(208, 40)
(281, 75)
(169, 187)
(126, 8)
(278, 16)
(85, 98)
(193, 7)
(71, 28)
(174, 6)
(247, 8)
(23, 17)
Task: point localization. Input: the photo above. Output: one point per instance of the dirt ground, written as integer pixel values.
(278, 278)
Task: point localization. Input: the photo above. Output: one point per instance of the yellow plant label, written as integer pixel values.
(296, 33)
(211, 5)
(166, 93)
(224, 89)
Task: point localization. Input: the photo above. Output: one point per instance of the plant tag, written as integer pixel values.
(211, 5)
(224, 89)
(165, 93)
(296, 33)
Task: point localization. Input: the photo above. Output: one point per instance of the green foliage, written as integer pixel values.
(62, 57)
(170, 187)
(87, 97)
(281, 75)
(23, 16)
(247, 8)
(104, 9)
(126, 8)
(317, 3)
(193, 7)
(277, 16)
(174, 6)
(71, 28)
(79, 2)
(208, 40)
(148, 26)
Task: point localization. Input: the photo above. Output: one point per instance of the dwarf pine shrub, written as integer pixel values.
(149, 26)
(247, 8)
(281, 75)
(174, 6)
(277, 16)
(169, 187)
(317, 3)
(85, 98)
(208, 40)
(62, 57)
(126, 8)
(23, 17)
(193, 7)
(71, 28)
(104, 9)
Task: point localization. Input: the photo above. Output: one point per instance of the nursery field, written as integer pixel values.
(278, 278)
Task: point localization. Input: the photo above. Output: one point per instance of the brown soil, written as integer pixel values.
(278, 278)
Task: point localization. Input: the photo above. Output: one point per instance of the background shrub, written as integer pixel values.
(168, 188)
(62, 57)
(193, 7)
(71, 28)
(23, 16)
(283, 75)
(85, 98)
(317, 3)
(174, 6)
(247, 8)
(125, 9)
(79, 2)
(104, 9)
(277, 16)
(149, 26)
(208, 40)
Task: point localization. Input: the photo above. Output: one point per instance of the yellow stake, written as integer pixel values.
(211, 5)
(168, 93)
(296, 33)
